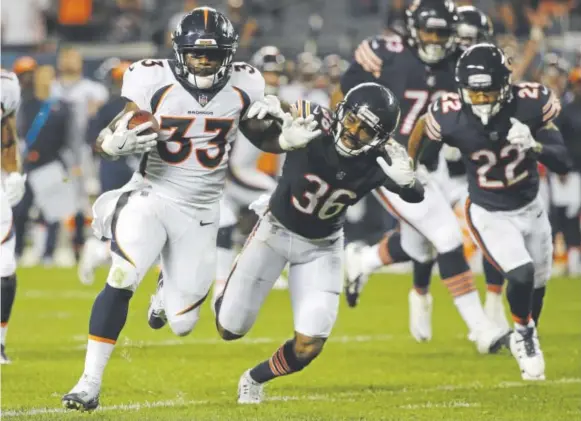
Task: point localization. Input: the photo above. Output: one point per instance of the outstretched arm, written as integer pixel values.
(10, 156)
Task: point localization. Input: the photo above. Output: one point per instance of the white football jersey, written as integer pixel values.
(190, 167)
(10, 93)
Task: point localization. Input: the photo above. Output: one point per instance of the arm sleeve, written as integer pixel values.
(554, 154)
(410, 194)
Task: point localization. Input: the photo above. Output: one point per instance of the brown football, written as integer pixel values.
(141, 117)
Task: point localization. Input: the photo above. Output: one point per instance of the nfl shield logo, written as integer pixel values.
(431, 81)
(202, 100)
(341, 175)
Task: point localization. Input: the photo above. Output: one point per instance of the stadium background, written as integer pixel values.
(106, 31)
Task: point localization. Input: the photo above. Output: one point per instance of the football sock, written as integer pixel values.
(494, 278)
(8, 291)
(519, 292)
(422, 275)
(283, 362)
(538, 298)
(108, 317)
(391, 250)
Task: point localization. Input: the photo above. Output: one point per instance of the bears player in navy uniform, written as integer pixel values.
(302, 224)
(419, 68)
(502, 130)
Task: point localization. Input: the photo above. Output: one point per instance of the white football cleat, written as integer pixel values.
(95, 253)
(249, 391)
(491, 338)
(156, 317)
(84, 396)
(420, 315)
(526, 349)
(494, 310)
(356, 277)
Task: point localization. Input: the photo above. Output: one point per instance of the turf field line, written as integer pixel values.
(341, 396)
(129, 343)
(73, 294)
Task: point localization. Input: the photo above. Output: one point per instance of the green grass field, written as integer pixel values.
(371, 369)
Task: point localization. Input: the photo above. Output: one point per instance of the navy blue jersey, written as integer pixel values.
(569, 122)
(414, 83)
(500, 175)
(317, 184)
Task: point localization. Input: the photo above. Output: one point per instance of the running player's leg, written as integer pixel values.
(315, 286)
(255, 271)
(138, 238)
(189, 264)
(500, 237)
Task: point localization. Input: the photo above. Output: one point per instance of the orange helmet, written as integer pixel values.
(118, 71)
(575, 75)
(24, 64)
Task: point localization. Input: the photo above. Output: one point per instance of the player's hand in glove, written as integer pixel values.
(14, 188)
(366, 58)
(520, 135)
(268, 105)
(297, 133)
(401, 169)
(124, 141)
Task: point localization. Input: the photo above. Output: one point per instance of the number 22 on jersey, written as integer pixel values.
(179, 127)
(488, 160)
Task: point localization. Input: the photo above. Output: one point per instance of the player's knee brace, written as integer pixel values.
(522, 275)
(123, 275)
(182, 325)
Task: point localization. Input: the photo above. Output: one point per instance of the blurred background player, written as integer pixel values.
(309, 82)
(45, 124)
(85, 97)
(11, 192)
(112, 174)
(419, 68)
(566, 188)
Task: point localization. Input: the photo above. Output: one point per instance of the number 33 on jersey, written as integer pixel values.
(198, 126)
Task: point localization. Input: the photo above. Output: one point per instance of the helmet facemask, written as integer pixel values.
(358, 130)
(204, 67)
(485, 99)
(434, 44)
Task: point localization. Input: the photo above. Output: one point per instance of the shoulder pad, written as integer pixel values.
(441, 109)
(385, 46)
(324, 116)
(536, 103)
(248, 79)
(143, 78)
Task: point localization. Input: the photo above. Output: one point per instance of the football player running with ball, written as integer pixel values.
(170, 208)
(502, 130)
(302, 224)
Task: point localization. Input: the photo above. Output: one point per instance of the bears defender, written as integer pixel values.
(302, 225)
(11, 192)
(419, 68)
(170, 208)
(502, 130)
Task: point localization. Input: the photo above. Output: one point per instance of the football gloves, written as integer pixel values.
(124, 141)
(401, 169)
(296, 132)
(520, 135)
